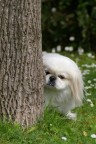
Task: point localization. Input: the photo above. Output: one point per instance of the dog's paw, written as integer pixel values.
(72, 116)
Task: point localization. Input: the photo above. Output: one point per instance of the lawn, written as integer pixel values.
(55, 128)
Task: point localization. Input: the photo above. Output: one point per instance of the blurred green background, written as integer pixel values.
(69, 24)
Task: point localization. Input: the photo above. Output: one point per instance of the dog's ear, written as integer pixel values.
(77, 88)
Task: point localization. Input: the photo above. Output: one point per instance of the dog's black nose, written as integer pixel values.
(52, 78)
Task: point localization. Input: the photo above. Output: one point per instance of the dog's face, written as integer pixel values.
(55, 79)
(58, 71)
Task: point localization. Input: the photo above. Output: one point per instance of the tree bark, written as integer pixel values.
(21, 68)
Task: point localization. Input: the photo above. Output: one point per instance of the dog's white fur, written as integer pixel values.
(67, 93)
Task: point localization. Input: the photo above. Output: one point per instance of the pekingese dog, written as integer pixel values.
(63, 85)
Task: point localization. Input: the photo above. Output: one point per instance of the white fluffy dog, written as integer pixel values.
(64, 84)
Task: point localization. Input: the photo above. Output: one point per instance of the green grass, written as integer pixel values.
(54, 126)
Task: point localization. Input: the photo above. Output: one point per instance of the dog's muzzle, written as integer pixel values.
(52, 81)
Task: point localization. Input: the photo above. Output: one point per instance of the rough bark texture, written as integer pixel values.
(21, 80)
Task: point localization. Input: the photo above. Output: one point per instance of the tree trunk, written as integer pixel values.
(21, 68)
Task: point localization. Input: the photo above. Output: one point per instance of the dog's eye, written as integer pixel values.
(47, 72)
(61, 77)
